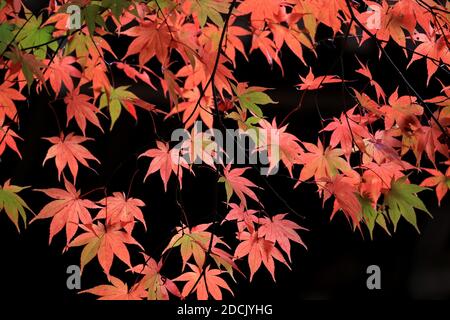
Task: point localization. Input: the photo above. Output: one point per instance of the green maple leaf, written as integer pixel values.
(116, 98)
(371, 216)
(32, 35)
(12, 203)
(116, 6)
(6, 35)
(402, 200)
(251, 98)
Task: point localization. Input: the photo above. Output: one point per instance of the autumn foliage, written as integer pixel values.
(363, 162)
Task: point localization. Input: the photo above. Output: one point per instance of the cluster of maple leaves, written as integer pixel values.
(362, 160)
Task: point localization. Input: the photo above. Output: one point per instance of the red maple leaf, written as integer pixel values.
(61, 72)
(204, 283)
(7, 97)
(165, 161)
(157, 285)
(235, 183)
(440, 181)
(117, 290)
(7, 136)
(258, 250)
(67, 210)
(80, 108)
(313, 83)
(280, 230)
(118, 208)
(105, 242)
(69, 151)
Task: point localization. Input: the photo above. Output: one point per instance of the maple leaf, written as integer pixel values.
(153, 39)
(365, 71)
(7, 136)
(250, 98)
(346, 198)
(244, 218)
(118, 290)
(433, 48)
(280, 145)
(61, 72)
(313, 83)
(235, 183)
(118, 208)
(67, 210)
(438, 180)
(321, 163)
(260, 10)
(193, 108)
(258, 250)
(115, 98)
(165, 161)
(7, 97)
(28, 64)
(372, 216)
(402, 111)
(207, 9)
(105, 242)
(69, 151)
(280, 230)
(80, 108)
(348, 130)
(12, 203)
(262, 41)
(192, 242)
(203, 283)
(132, 73)
(157, 285)
(402, 200)
(292, 37)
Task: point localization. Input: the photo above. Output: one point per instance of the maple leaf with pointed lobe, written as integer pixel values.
(259, 10)
(152, 39)
(192, 242)
(81, 109)
(193, 108)
(235, 183)
(7, 97)
(440, 181)
(105, 242)
(210, 283)
(402, 200)
(310, 82)
(67, 150)
(348, 130)
(165, 161)
(346, 198)
(245, 218)
(279, 230)
(402, 111)
(12, 203)
(132, 73)
(280, 145)
(118, 208)
(117, 290)
(258, 250)
(61, 72)
(158, 287)
(320, 163)
(365, 71)
(66, 210)
(7, 136)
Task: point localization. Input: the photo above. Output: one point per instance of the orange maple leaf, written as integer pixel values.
(68, 151)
